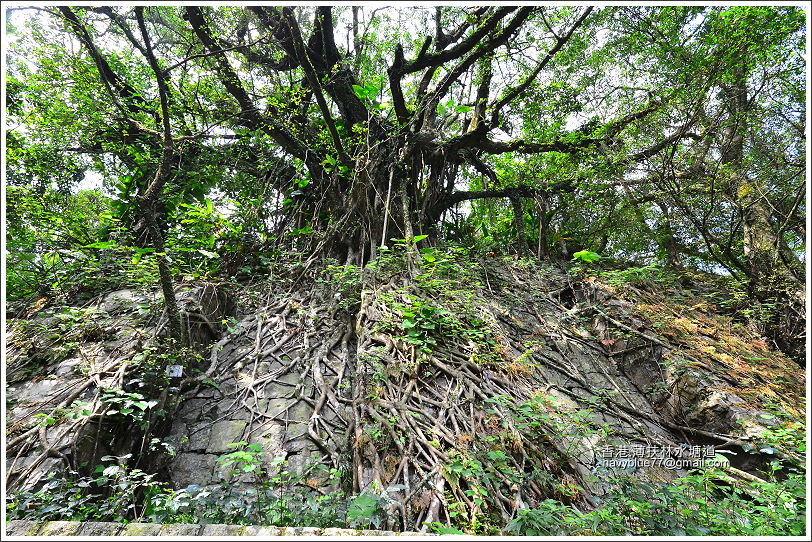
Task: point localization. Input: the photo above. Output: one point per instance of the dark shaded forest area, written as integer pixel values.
(427, 219)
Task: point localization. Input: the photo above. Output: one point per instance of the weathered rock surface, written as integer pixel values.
(319, 389)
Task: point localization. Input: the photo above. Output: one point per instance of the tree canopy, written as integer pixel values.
(228, 137)
(418, 265)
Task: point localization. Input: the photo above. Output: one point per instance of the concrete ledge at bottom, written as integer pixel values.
(60, 528)
(141, 529)
(262, 530)
(219, 529)
(98, 528)
(22, 527)
(181, 529)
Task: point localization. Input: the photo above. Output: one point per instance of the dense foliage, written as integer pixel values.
(222, 136)
(149, 144)
(706, 502)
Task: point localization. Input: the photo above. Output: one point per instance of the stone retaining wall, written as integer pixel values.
(96, 528)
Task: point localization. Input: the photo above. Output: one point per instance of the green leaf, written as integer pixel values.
(359, 91)
(102, 244)
(362, 508)
(463, 108)
(418, 238)
(365, 92)
(442, 529)
(586, 256)
(208, 253)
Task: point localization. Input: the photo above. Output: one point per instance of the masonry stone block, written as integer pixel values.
(22, 527)
(192, 468)
(224, 433)
(262, 530)
(99, 528)
(141, 529)
(59, 528)
(181, 529)
(217, 529)
(334, 531)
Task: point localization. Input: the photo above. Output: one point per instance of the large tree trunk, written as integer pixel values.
(775, 275)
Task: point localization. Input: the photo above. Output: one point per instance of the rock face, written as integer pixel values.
(122, 301)
(262, 392)
(60, 361)
(524, 382)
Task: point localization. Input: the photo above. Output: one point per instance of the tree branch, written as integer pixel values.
(395, 73)
(122, 24)
(118, 89)
(232, 83)
(478, 138)
(149, 199)
(520, 191)
(517, 90)
(211, 53)
(475, 38)
(442, 40)
(484, 48)
(310, 73)
(162, 172)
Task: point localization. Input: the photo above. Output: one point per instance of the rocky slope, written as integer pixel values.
(452, 387)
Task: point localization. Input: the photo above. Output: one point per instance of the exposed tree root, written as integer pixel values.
(485, 413)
